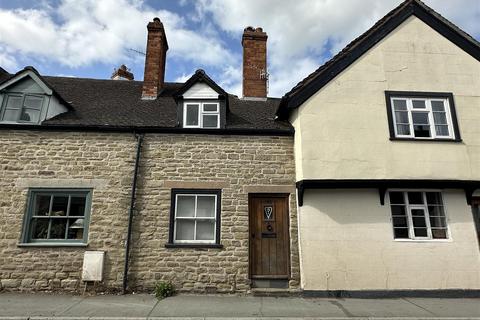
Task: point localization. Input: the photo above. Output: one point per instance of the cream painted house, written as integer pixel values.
(387, 151)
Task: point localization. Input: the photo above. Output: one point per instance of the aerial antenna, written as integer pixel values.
(139, 52)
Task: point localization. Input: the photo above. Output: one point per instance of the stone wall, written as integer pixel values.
(104, 161)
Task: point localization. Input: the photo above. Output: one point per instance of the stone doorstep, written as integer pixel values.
(276, 292)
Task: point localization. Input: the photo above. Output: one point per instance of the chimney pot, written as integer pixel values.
(255, 75)
(157, 46)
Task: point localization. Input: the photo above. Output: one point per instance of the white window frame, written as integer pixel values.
(195, 218)
(424, 207)
(4, 101)
(428, 108)
(201, 113)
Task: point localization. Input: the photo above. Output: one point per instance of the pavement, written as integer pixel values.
(20, 306)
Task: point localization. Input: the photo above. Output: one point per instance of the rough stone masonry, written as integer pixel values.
(105, 162)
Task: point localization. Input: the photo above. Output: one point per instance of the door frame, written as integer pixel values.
(252, 196)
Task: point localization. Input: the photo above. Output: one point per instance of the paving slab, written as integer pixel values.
(211, 306)
(449, 307)
(138, 305)
(24, 304)
(381, 308)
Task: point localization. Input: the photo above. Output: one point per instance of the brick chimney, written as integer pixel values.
(122, 73)
(157, 46)
(255, 75)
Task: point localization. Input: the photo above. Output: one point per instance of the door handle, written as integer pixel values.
(253, 234)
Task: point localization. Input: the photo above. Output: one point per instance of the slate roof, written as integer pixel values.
(109, 104)
(325, 73)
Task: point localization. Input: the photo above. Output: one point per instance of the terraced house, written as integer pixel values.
(362, 179)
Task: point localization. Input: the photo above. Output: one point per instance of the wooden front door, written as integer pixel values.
(269, 236)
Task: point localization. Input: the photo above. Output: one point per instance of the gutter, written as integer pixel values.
(135, 129)
(131, 211)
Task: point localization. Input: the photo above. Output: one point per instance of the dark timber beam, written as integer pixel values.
(382, 185)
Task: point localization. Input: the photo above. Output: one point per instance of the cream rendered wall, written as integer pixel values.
(342, 130)
(347, 244)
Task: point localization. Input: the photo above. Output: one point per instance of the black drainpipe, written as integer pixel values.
(130, 212)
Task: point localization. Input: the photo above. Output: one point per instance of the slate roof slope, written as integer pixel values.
(325, 73)
(110, 104)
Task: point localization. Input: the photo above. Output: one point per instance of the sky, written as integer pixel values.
(90, 38)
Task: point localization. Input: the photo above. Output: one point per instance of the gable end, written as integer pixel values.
(353, 51)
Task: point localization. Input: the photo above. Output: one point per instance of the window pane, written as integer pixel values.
(418, 212)
(206, 206)
(419, 222)
(39, 227)
(434, 197)
(185, 230)
(10, 115)
(442, 130)
(185, 206)
(415, 198)
(401, 233)
(403, 129)
(399, 105)
(439, 233)
(210, 107)
(400, 222)
(438, 222)
(438, 106)
(418, 104)
(75, 229)
(396, 197)
(77, 206)
(59, 206)
(420, 232)
(420, 117)
(30, 115)
(14, 102)
(58, 228)
(33, 102)
(210, 121)
(206, 230)
(436, 211)
(42, 205)
(401, 117)
(192, 114)
(440, 118)
(398, 210)
(422, 131)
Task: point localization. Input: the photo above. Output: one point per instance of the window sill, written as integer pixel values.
(425, 240)
(52, 245)
(194, 245)
(425, 140)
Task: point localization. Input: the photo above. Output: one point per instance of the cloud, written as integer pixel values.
(303, 33)
(80, 33)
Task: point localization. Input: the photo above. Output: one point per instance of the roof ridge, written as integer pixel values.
(357, 47)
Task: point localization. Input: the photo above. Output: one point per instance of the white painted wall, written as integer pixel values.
(347, 244)
(200, 90)
(342, 131)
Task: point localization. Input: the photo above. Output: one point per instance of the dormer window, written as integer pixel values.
(204, 115)
(21, 108)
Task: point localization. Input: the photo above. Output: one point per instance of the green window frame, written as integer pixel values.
(57, 216)
(25, 111)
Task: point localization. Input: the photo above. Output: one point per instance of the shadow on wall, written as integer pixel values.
(362, 206)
